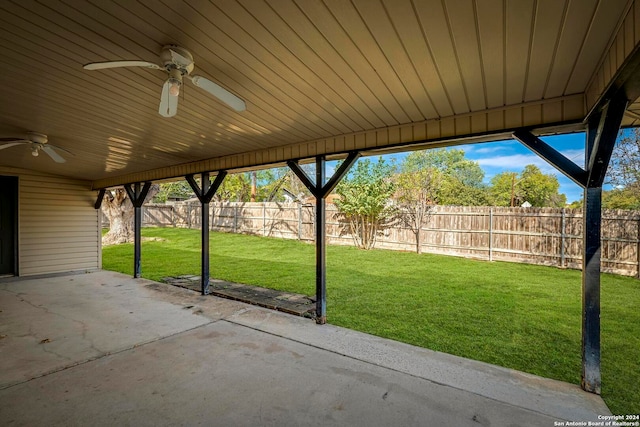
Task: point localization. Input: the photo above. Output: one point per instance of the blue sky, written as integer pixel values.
(512, 156)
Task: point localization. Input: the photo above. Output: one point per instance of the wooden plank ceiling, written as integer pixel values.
(327, 74)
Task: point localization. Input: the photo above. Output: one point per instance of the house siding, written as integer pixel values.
(58, 227)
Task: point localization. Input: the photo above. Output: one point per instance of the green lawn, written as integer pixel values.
(519, 316)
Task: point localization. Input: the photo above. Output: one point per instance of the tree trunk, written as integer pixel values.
(120, 211)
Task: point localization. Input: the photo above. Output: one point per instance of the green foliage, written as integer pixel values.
(277, 183)
(235, 188)
(271, 186)
(179, 190)
(416, 195)
(577, 204)
(624, 172)
(503, 189)
(531, 185)
(365, 199)
(621, 198)
(461, 178)
(624, 169)
(519, 316)
(618, 198)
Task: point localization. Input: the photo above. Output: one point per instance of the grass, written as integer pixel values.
(518, 316)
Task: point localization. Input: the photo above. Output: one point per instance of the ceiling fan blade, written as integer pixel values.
(117, 64)
(168, 103)
(60, 149)
(52, 153)
(219, 92)
(11, 144)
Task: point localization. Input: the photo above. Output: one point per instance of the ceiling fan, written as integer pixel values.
(37, 142)
(177, 62)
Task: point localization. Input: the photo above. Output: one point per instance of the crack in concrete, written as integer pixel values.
(105, 354)
(83, 326)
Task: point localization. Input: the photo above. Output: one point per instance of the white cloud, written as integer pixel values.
(519, 161)
(491, 147)
(576, 155)
(511, 162)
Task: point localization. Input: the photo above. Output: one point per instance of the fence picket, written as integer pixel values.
(547, 236)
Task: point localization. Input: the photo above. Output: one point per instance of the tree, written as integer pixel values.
(461, 178)
(176, 189)
(365, 200)
(505, 189)
(618, 198)
(531, 185)
(621, 198)
(270, 185)
(624, 169)
(120, 211)
(624, 173)
(281, 184)
(416, 196)
(235, 188)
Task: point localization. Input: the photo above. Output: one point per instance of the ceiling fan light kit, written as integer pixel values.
(178, 63)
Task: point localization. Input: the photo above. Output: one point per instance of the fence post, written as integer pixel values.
(562, 238)
(212, 213)
(189, 215)
(235, 217)
(299, 221)
(490, 234)
(638, 249)
(264, 218)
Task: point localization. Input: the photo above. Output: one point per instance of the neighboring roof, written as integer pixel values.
(318, 77)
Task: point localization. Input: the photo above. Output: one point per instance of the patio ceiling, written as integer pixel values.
(318, 77)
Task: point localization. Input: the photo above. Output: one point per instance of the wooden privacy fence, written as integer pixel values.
(546, 236)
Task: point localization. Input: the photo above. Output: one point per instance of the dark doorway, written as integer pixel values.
(8, 225)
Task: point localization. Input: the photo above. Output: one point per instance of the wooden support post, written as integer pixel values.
(321, 263)
(137, 246)
(204, 236)
(601, 137)
(137, 196)
(98, 202)
(320, 190)
(205, 192)
(591, 290)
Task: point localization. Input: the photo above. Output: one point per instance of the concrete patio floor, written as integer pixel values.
(105, 349)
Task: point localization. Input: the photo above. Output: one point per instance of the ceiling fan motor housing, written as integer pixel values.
(38, 138)
(177, 58)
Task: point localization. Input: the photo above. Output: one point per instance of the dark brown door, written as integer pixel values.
(8, 224)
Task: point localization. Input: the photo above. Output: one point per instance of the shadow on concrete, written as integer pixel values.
(105, 349)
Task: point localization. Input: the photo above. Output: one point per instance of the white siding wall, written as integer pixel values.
(58, 227)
